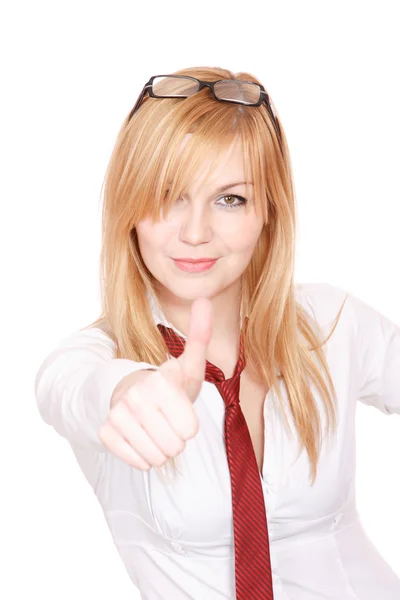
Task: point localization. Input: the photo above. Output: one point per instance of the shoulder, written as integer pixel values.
(323, 301)
(88, 341)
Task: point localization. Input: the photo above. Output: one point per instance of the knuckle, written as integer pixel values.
(142, 466)
(174, 449)
(114, 417)
(137, 465)
(190, 433)
(135, 403)
(160, 462)
(179, 447)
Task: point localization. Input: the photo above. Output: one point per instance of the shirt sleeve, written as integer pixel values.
(378, 350)
(75, 382)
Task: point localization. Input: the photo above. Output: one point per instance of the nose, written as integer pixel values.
(196, 225)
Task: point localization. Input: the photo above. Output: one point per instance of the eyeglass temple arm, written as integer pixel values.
(138, 101)
(272, 115)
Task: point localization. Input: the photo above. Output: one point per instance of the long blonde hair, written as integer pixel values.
(278, 331)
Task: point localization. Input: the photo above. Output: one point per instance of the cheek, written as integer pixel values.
(243, 236)
(151, 237)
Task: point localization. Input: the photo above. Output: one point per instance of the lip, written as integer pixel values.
(195, 260)
(195, 266)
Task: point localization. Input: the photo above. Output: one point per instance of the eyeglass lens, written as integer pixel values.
(230, 90)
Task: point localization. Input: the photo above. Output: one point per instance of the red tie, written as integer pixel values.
(252, 557)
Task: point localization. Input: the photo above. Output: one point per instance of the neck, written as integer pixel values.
(225, 337)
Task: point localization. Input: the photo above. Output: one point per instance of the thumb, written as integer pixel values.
(193, 358)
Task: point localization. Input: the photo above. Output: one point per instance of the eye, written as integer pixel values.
(242, 201)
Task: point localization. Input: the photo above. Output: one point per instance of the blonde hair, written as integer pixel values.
(278, 331)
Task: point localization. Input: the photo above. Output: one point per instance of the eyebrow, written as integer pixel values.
(227, 186)
(231, 185)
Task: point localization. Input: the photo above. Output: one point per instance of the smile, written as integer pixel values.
(195, 267)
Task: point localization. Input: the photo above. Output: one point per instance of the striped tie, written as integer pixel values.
(253, 575)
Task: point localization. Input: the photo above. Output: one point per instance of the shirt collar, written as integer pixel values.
(159, 316)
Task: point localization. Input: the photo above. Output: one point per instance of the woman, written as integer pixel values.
(222, 373)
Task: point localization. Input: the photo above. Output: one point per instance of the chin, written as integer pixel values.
(192, 290)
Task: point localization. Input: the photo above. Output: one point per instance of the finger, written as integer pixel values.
(150, 416)
(127, 426)
(167, 397)
(114, 443)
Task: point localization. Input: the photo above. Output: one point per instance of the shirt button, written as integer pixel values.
(336, 520)
(178, 548)
(270, 479)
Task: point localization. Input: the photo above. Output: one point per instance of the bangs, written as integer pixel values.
(199, 157)
(175, 160)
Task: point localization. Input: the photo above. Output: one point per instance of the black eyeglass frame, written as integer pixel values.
(264, 98)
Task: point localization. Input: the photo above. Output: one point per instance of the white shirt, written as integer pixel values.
(176, 538)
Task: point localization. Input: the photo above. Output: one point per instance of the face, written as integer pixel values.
(205, 222)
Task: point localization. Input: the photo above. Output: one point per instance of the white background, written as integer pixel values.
(71, 71)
